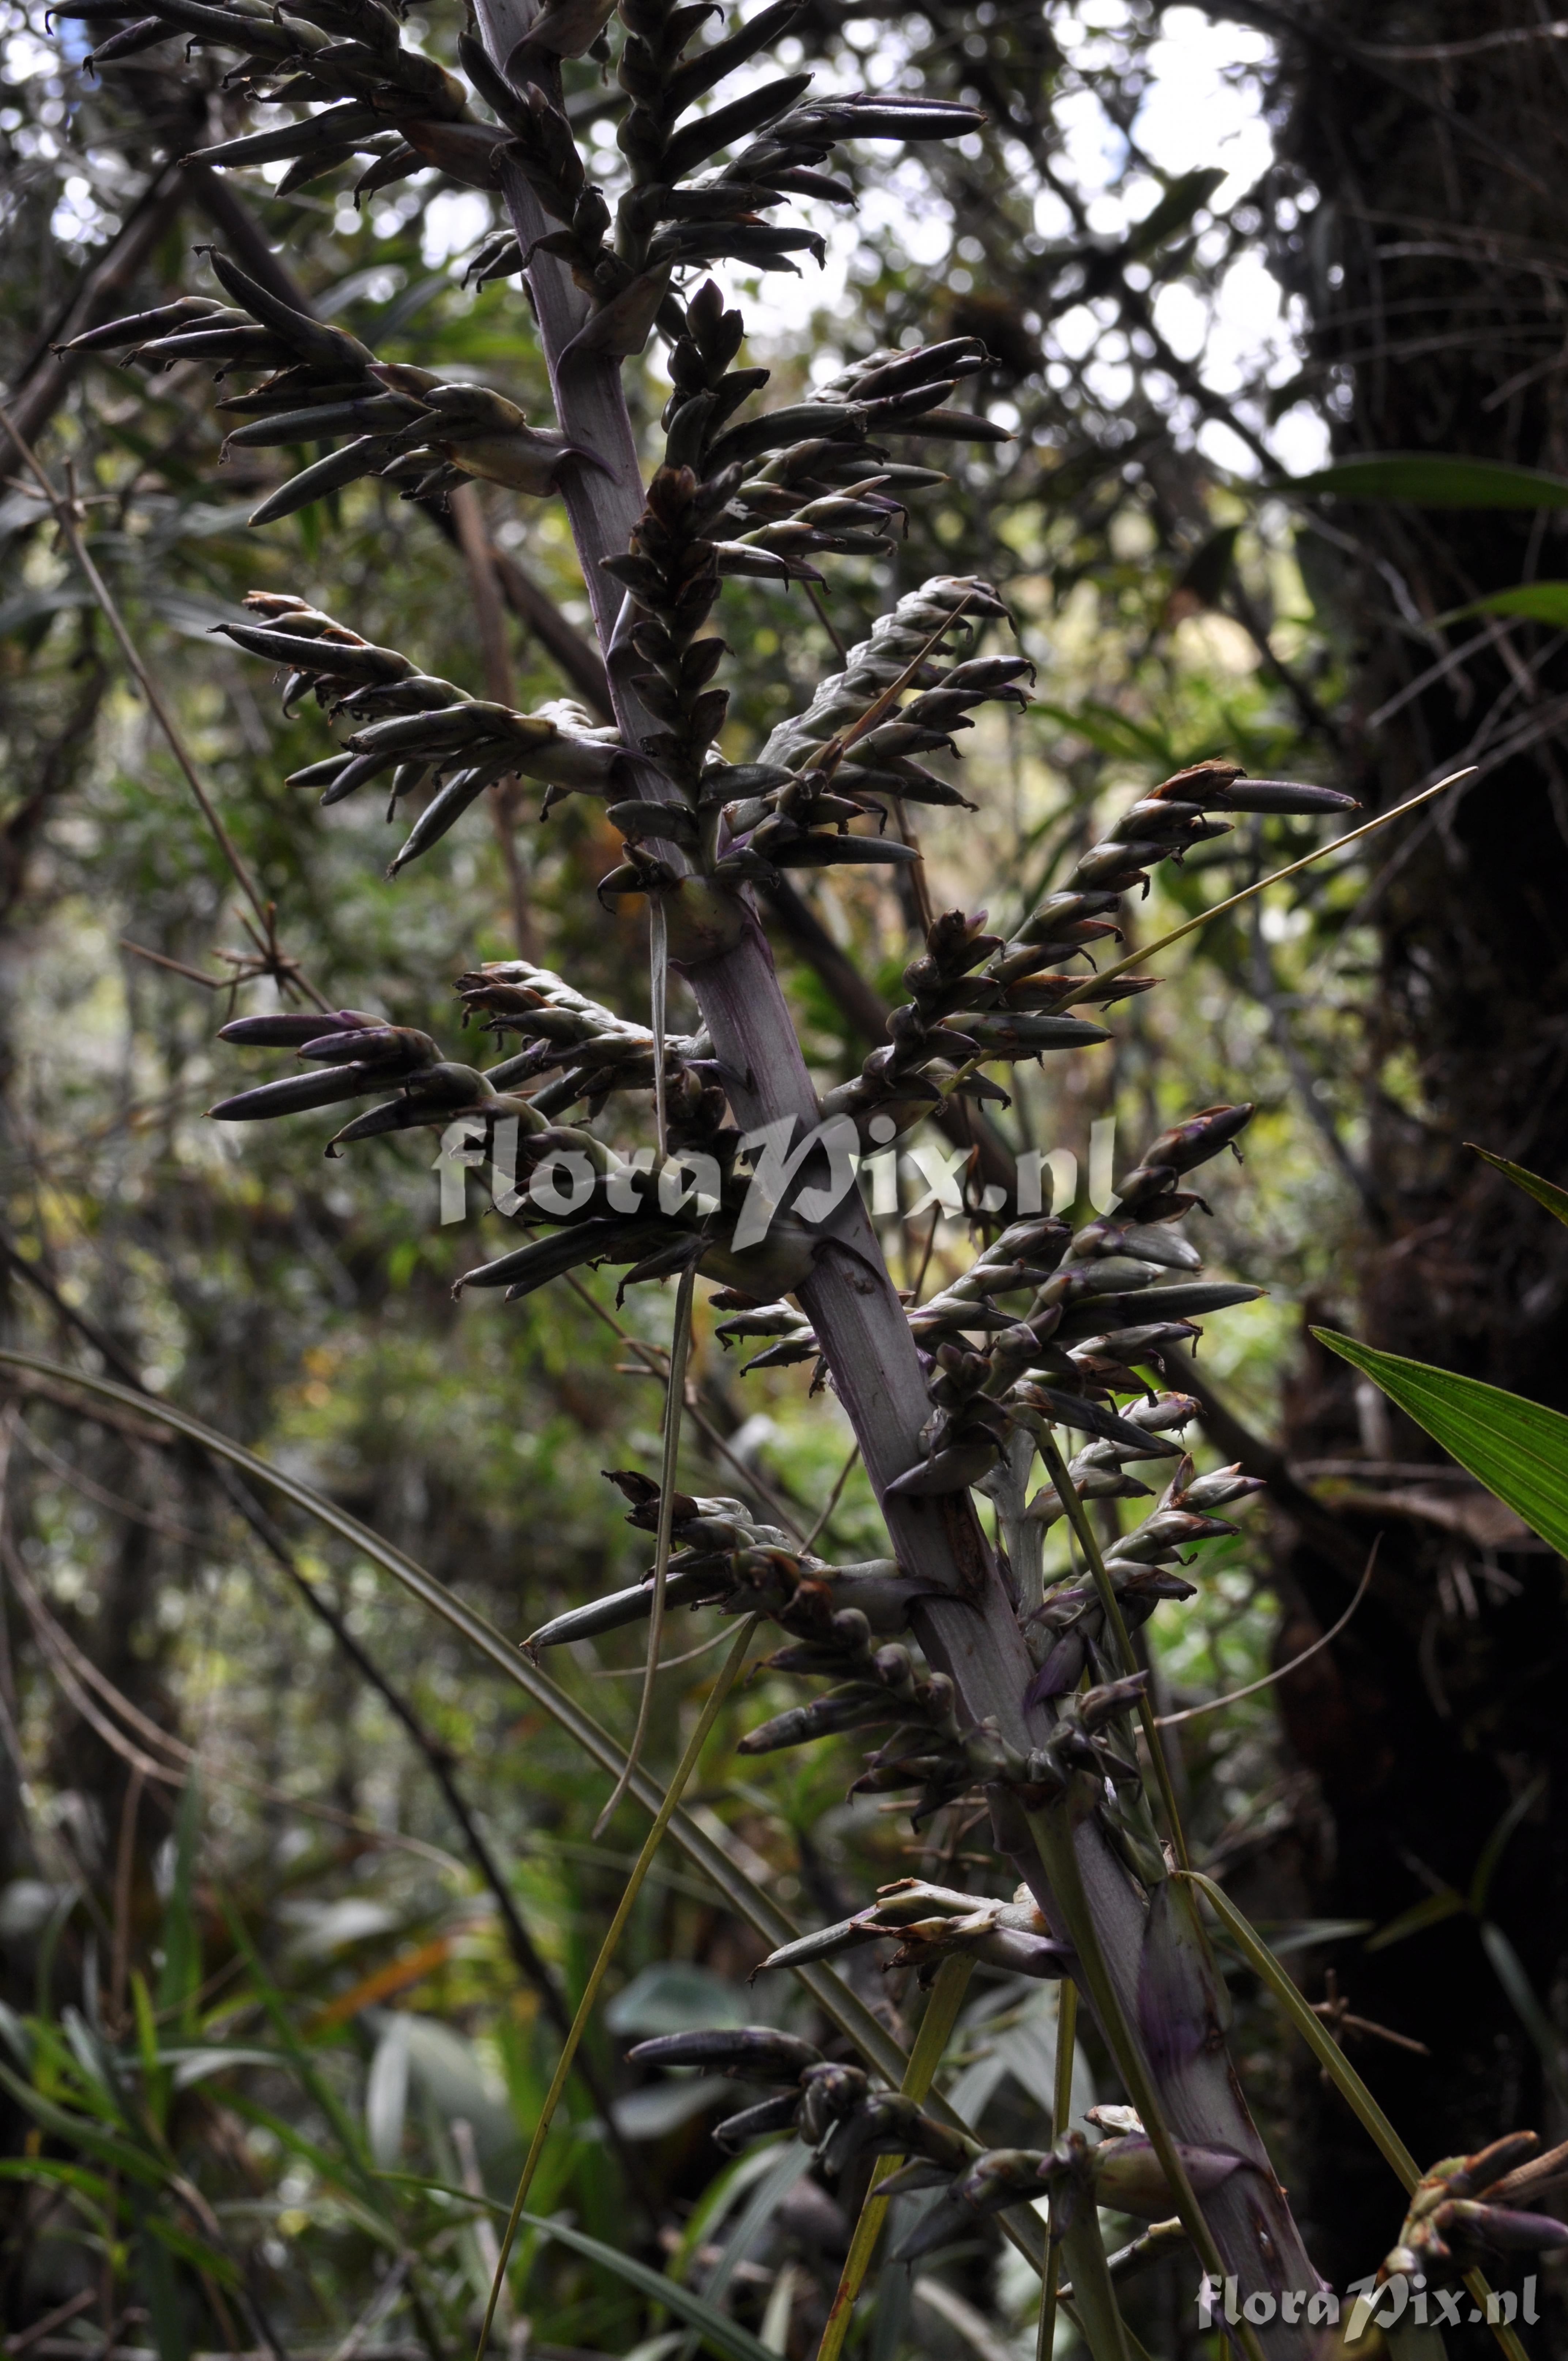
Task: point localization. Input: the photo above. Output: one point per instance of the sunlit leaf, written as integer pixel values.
(1537, 602)
(53, 2172)
(81, 2132)
(1518, 1449)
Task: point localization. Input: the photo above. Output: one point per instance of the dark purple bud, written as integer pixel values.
(1493, 2225)
(398, 1047)
(773, 2115)
(757, 2053)
(1188, 1145)
(297, 1093)
(290, 1031)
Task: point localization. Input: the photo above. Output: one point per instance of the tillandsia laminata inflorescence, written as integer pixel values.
(967, 1669)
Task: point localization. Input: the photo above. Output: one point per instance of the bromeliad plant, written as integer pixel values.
(969, 1667)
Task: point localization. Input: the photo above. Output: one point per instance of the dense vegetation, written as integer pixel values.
(299, 1890)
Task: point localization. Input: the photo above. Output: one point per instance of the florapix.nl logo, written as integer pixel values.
(1367, 2309)
(903, 1179)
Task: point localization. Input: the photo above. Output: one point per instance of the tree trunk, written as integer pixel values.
(1432, 268)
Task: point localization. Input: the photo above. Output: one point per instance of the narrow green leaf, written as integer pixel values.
(355, 2158)
(1518, 1449)
(1545, 1192)
(190, 2249)
(82, 2133)
(1498, 1843)
(1110, 733)
(53, 2172)
(1186, 196)
(1430, 1911)
(156, 2275)
(723, 2335)
(1536, 602)
(1509, 1969)
(1428, 480)
(832, 1994)
(375, 2223)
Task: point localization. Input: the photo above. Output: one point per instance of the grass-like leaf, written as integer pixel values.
(725, 2336)
(1518, 1449)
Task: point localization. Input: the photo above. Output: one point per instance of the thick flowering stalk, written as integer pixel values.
(1047, 1328)
(966, 1626)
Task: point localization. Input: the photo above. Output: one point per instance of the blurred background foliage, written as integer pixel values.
(291, 1889)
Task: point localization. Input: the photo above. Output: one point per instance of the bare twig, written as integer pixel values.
(834, 1497)
(273, 961)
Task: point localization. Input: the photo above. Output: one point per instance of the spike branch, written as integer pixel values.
(1167, 1991)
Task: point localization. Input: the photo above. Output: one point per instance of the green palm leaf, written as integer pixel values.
(1518, 1449)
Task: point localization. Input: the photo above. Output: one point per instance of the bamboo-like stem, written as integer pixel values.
(644, 1863)
(1088, 1542)
(1061, 2119)
(930, 2042)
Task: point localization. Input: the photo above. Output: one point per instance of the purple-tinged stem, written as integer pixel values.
(968, 1629)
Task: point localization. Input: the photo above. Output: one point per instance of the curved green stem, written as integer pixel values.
(644, 1861)
(1053, 1833)
(1061, 2117)
(1094, 2297)
(675, 1401)
(1087, 1541)
(930, 2042)
(1338, 2068)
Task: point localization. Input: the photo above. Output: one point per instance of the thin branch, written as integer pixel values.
(484, 589)
(287, 971)
(1261, 885)
(1265, 984)
(834, 1497)
(655, 1838)
(1110, 1607)
(674, 1402)
(525, 1953)
(42, 381)
(1215, 1704)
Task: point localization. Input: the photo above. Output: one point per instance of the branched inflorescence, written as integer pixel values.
(837, 2110)
(1047, 1327)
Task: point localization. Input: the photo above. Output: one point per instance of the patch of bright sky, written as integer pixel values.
(1203, 107)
